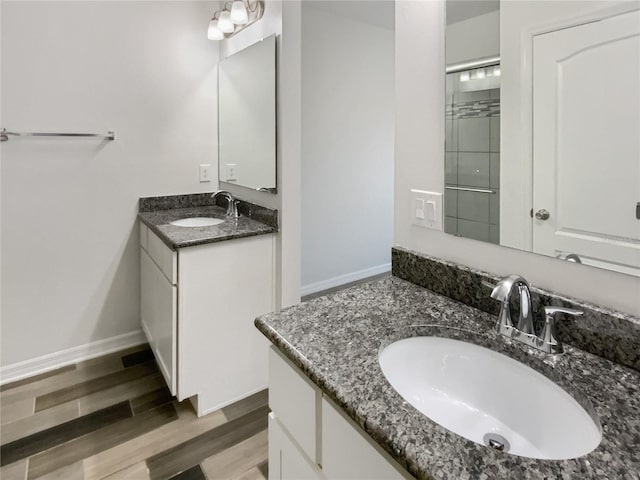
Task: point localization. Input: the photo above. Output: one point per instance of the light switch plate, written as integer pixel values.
(426, 209)
(231, 172)
(205, 172)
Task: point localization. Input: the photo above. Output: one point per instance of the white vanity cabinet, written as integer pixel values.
(311, 439)
(198, 308)
(159, 302)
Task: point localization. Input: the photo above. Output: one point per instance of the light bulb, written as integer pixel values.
(496, 71)
(214, 32)
(239, 13)
(464, 77)
(479, 74)
(224, 22)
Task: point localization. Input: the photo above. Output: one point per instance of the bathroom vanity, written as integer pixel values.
(310, 438)
(201, 289)
(335, 415)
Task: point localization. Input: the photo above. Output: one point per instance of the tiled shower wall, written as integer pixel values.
(473, 161)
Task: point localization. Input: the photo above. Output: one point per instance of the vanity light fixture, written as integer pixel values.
(214, 32)
(224, 22)
(234, 17)
(239, 14)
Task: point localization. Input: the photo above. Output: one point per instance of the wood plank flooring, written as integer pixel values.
(113, 418)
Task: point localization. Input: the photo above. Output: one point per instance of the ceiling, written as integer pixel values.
(459, 10)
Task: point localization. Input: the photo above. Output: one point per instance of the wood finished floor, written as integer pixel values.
(114, 418)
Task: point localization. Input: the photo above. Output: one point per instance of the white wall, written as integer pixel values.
(473, 38)
(419, 164)
(70, 261)
(347, 143)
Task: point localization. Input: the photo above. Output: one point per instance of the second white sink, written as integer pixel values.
(197, 222)
(489, 398)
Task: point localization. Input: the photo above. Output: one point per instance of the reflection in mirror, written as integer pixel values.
(472, 143)
(552, 165)
(247, 117)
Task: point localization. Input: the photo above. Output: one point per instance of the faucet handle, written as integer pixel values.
(548, 336)
(551, 310)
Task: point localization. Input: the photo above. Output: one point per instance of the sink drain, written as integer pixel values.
(497, 442)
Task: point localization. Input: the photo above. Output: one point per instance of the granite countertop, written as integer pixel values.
(335, 340)
(159, 221)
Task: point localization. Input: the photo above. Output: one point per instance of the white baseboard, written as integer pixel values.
(343, 279)
(52, 361)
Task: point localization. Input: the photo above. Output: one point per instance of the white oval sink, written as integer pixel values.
(481, 395)
(197, 222)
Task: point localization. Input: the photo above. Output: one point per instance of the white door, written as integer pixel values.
(586, 142)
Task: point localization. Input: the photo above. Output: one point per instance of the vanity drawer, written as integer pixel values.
(163, 256)
(295, 401)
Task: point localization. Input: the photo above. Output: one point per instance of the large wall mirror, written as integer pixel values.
(247, 117)
(542, 149)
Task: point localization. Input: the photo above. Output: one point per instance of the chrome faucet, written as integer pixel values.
(232, 203)
(502, 292)
(524, 332)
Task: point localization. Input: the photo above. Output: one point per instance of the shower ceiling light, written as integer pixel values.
(478, 74)
(235, 17)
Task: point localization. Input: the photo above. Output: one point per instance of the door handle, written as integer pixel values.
(542, 214)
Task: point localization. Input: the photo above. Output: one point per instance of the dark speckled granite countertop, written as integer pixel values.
(159, 221)
(335, 339)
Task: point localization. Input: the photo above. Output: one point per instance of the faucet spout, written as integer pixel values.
(232, 203)
(525, 324)
(502, 292)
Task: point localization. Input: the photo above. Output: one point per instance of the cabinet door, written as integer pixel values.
(224, 286)
(295, 401)
(347, 452)
(286, 460)
(159, 317)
